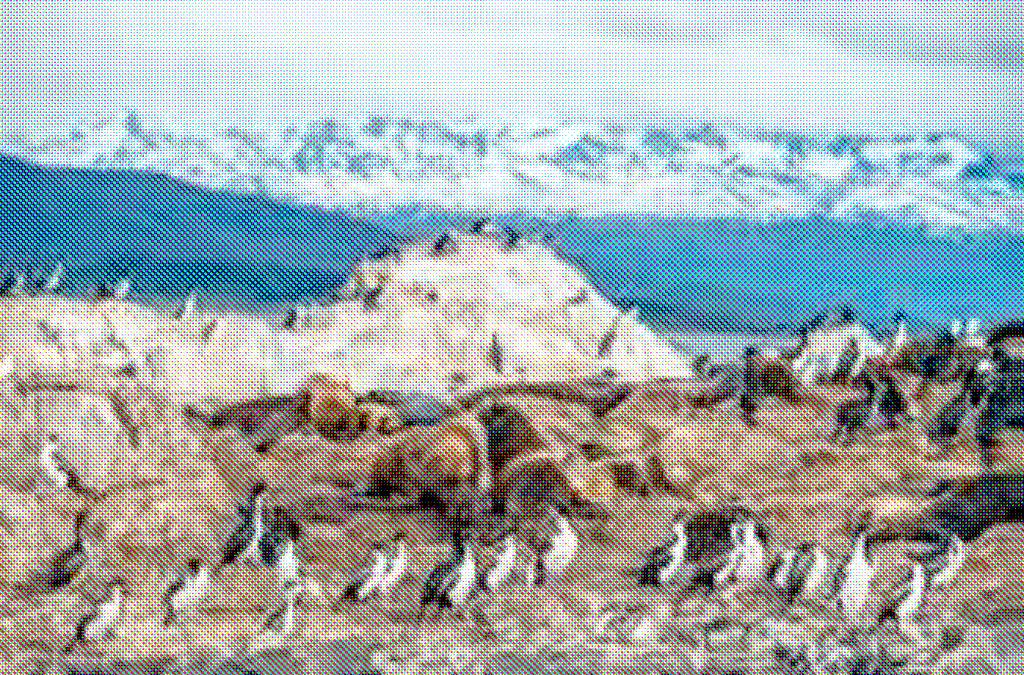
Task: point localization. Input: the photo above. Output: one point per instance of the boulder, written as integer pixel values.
(88, 432)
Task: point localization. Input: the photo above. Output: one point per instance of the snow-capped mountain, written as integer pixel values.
(549, 168)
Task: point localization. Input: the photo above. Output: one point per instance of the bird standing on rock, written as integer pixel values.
(751, 392)
(664, 562)
(244, 542)
(51, 284)
(453, 581)
(14, 285)
(69, 562)
(277, 549)
(388, 568)
(188, 307)
(942, 554)
(122, 289)
(56, 471)
(557, 554)
(854, 580)
(100, 623)
(801, 572)
(441, 244)
(503, 565)
(187, 590)
(907, 609)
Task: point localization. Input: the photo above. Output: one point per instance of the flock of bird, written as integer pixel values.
(718, 551)
(268, 538)
(699, 552)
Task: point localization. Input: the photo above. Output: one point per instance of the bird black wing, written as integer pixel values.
(437, 584)
(65, 566)
(657, 560)
(237, 542)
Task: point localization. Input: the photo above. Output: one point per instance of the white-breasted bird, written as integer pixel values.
(244, 542)
(187, 589)
(854, 579)
(453, 581)
(15, 285)
(663, 563)
(946, 565)
(50, 285)
(781, 573)
(277, 548)
(397, 565)
(365, 583)
(751, 567)
(100, 623)
(122, 289)
(380, 577)
(907, 609)
(558, 552)
(801, 572)
(279, 624)
(503, 565)
(56, 472)
(815, 582)
(188, 307)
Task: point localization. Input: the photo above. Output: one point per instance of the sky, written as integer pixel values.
(883, 67)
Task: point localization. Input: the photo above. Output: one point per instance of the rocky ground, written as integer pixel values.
(166, 489)
(113, 381)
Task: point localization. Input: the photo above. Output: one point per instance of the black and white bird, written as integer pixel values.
(942, 555)
(279, 623)
(608, 339)
(382, 575)
(557, 553)
(100, 623)
(441, 244)
(496, 355)
(859, 414)
(478, 226)
(747, 556)
(188, 588)
(454, 580)
(503, 565)
(122, 289)
(188, 307)
(801, 572)
(512, 237)
(51, 284)
(56, 472)
(813, 568)
(244, 542)
(295, 317)
(907, 609)
(664, 562)
(277, 548)
(853, 582)
(14, 285)
(365, 583)
(65, 567)
(781, 574)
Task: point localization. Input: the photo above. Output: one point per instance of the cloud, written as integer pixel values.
(865, 65)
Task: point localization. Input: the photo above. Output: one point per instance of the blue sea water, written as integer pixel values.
(170, 237)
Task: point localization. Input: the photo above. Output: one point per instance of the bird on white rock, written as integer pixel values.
(186, 591)
(100, 623)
